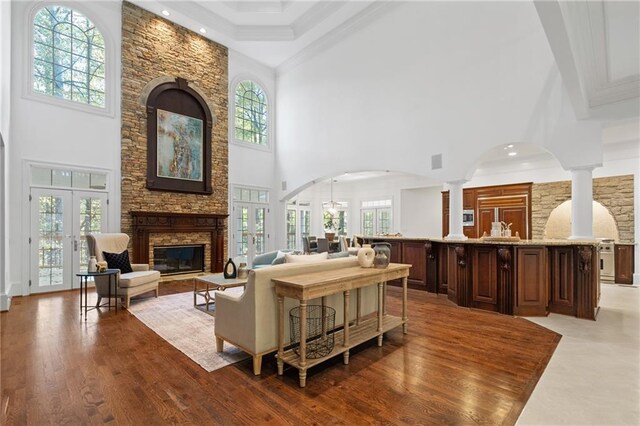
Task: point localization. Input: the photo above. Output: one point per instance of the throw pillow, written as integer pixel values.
(118, 261)
(279, 258)
(291, 258)
(338, 254)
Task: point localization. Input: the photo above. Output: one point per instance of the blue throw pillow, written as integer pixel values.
(338, 254)
(118, 261)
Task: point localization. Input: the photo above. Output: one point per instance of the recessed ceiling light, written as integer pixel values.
(512, 154)
(509, 146)
(203, 31)
(166, 12)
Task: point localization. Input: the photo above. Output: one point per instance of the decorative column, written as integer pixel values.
(455, 211)
(581, 204)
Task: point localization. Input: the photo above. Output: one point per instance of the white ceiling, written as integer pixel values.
(596, 43)
(270, 32)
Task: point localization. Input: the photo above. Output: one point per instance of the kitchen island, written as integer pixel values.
(526, 277)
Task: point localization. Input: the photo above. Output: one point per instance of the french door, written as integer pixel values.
(60, 220)
(250, 229)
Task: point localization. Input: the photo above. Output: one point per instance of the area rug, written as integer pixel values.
(191, 331)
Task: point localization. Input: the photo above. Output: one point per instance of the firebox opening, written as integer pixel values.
(170, 260)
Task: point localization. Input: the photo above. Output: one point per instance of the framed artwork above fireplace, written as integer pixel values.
(179, 126)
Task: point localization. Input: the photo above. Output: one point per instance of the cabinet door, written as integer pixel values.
(531, 281)
(485, 217)
(484, 279)
(415, 254)
(445, 213)
(518, 218)
(562, 281)
(623, 258)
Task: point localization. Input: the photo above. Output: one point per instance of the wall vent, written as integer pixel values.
(284, 185)
(436, 161)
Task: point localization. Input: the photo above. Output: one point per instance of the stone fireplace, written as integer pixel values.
(152, 230)
(155, 50)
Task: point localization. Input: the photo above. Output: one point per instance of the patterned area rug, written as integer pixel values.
(190, 330)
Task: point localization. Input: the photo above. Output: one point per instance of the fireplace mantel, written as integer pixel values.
(145, 223)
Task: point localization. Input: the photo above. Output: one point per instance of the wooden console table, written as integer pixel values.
(320, 284)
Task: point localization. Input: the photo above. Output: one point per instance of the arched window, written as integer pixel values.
(68, 56)
(251, 113)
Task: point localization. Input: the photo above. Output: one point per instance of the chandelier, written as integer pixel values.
(331, 206)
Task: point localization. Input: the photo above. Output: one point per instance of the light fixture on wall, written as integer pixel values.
(331, 206)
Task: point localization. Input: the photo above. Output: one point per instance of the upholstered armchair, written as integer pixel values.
(130, 284)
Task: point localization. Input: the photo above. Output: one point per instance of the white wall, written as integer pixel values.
(421, 212)
(5, 120)
(248, 165)
(44, 132)
(426, 78)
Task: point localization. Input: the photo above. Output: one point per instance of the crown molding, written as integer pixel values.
(588, 33)
(356, 22)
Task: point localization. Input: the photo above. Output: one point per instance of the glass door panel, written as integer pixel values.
(250, 229)
(90, 217)
(51, 240)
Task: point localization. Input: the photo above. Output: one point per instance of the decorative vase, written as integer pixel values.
(243, 271)
(383, 255)
(366, 255)
(230, 270)
(93, 264)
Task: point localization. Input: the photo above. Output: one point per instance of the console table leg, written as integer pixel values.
(346, 326)
(280, 335)
(303, 343)
(380, 311)
(404, 305)
(303, 378)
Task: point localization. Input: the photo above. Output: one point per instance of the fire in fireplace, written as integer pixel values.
(178, 259)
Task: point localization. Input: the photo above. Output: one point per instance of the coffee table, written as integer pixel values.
(203, 286)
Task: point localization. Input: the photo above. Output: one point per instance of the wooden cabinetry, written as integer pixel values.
(561, 278)
(531, 281)
(624, 263)
(407, 251)
(506, 203)
(484, 281)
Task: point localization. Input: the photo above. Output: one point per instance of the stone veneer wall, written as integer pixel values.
(615, 193)
(153, 48)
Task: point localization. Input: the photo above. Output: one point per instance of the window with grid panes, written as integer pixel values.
(251, 113)
(68, 56)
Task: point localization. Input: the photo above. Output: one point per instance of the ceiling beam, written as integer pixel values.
(557, 34)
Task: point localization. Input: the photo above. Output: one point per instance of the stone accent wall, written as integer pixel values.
(615, 193)
(154, 48)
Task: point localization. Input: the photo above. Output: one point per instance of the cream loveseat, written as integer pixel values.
(141, 280)
(250, 320)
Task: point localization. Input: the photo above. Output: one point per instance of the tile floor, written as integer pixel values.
(593, 377)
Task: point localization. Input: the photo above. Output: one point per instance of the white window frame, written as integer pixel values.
(375, 206)
(232, 113)
(109, 62)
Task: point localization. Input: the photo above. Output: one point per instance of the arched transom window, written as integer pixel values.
(251, 113)
(68, 56)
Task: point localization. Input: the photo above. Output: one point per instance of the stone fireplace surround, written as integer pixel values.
(179, 228)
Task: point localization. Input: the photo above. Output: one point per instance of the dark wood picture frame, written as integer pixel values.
(177, 97)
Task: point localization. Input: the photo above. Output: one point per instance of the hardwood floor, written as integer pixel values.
(455, 366)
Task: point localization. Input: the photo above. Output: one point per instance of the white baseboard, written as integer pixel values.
(5, 302)
(636, 279)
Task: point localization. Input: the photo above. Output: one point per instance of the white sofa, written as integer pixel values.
(250, 320)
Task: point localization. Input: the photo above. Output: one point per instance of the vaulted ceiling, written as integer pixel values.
(596, 44)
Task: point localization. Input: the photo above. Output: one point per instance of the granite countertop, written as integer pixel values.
(550, 242)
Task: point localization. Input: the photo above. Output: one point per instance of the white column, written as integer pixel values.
(581, 204)
(455, 211)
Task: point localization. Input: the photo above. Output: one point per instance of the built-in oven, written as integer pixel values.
(607, 262)
(467, 218)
